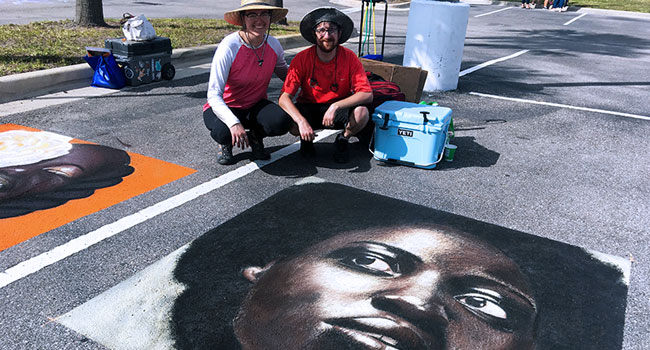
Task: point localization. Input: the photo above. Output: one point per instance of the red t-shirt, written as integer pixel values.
(345, 68)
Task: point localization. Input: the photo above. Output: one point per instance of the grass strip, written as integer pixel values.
(50, 44)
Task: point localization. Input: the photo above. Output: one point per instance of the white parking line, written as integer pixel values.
(80, 243)
(489, 13)
(488, 63)
(620, 114)
(575, 19)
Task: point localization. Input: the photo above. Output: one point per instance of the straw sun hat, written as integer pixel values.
(234, 17)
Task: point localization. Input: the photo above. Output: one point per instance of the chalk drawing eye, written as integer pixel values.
(69, 171)
(483, 304)
(5, 184)
(365, 258)
(374, 263)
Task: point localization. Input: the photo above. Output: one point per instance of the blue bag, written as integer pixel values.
(107, 73)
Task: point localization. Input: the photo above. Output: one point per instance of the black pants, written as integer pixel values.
(265, 118)
(314, 113)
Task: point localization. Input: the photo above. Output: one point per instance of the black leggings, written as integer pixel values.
(265, 118)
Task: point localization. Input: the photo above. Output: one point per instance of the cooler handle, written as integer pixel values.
(424, 116)
(385, 126)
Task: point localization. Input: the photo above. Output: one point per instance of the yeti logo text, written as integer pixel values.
(402, 132)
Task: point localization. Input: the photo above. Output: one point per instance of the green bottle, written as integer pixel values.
(450, 131)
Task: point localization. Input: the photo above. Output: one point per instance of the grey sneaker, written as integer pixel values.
(257, 146)
(225, 157)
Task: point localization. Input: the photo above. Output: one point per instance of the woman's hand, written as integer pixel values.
(238, 135)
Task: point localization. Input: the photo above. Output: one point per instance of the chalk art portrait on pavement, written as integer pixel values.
(40, 170)
(325, 266)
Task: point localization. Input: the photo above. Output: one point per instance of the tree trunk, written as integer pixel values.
(89, 13)
(278, 3)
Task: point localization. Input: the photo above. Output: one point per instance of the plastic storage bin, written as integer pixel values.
(410, 134)
(143, 61)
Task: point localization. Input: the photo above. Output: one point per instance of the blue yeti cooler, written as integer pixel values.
(411, 134)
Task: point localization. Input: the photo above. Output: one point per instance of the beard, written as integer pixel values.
(327, 45)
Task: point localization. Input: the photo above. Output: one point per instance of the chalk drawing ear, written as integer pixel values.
(253, 273)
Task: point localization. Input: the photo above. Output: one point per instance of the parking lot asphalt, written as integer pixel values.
(551, 129)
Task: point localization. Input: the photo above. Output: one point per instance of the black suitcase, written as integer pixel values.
(143, 61)
(129, 48)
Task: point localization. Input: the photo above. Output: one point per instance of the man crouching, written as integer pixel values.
(332, 82)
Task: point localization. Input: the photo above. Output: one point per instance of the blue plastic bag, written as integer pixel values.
(107, 73)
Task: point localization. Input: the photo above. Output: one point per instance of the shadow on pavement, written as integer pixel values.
(298, 166)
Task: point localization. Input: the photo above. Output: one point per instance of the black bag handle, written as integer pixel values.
(125, 17)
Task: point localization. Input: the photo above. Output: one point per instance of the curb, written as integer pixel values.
(25, 85)
(17, 86)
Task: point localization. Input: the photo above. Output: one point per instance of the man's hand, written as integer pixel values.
(306, 132)
(304, 129)
(328, 118)
(238, 135)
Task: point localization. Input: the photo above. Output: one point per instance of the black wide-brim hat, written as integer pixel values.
(326, 14)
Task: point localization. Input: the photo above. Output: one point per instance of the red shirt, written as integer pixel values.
(345, 69)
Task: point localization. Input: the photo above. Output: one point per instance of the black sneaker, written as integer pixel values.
(257, 146)
(225, 157)
(365, 136)
(341, 153)
(307, 148)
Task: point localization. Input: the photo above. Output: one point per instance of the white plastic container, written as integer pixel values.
(435, 38)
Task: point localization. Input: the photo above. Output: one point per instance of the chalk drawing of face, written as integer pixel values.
(406, 288)
(41, 170)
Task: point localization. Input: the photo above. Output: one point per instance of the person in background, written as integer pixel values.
(560, 5)
(242, 67)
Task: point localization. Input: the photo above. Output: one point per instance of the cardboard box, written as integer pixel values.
(409, 79)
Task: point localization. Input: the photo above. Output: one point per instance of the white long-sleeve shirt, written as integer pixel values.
(236, 78)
